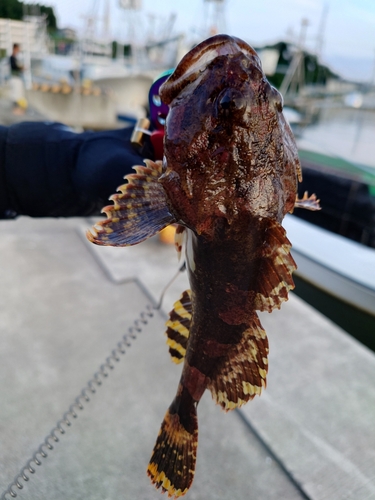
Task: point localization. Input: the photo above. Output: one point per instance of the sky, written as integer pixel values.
(348, 26)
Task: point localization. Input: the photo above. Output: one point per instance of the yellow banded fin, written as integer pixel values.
(172, 464)
(178, 327)
(240, 375)
(139, 210)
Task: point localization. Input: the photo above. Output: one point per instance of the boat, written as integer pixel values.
(335, 248)
(95, 83)
(90, 92)
(333, 263)
(338, 162)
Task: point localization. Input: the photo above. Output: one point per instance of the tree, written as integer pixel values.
(51, 18)
(11, 9)
(14, 9)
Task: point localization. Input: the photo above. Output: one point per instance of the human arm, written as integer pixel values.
(47, 170)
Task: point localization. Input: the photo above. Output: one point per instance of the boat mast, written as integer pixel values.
(295, 76)
(214, 17)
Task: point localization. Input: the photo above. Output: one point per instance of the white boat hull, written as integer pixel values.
(334, 264)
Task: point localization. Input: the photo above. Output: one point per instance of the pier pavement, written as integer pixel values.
(64, 306)
(8, 117)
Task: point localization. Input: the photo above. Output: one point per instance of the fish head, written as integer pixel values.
(227, 148)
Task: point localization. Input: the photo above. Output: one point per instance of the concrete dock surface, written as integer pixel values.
(9, 116)
(64, 306)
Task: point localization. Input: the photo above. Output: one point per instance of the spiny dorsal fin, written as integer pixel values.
(140, 211)
(179, 327)
(241, 373)
(276, 266)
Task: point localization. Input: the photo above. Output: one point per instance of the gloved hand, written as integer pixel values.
(46, 169)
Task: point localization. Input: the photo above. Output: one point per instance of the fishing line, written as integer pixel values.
(90, 389)
(180, 270)
(84, 397)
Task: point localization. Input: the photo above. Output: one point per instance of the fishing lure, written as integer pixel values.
(228, 177)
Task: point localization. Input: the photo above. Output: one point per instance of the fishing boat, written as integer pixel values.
(337, 155)
(333, 263)
(94, 82)
(335, 248)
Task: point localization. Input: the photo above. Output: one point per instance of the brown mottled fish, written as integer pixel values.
(228, 178)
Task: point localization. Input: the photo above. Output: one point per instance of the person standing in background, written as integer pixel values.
(16, 83)
(16, 68)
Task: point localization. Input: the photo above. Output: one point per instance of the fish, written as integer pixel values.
(228, 177)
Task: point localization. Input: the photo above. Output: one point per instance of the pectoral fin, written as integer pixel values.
(307, 202)
(140, 211)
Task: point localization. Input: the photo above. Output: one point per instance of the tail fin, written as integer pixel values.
(172, 464)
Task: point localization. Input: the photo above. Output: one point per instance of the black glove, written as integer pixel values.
(47, 169)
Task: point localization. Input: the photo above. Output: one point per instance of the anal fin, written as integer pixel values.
(138, 212)
(241, 374)
(178, 327)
